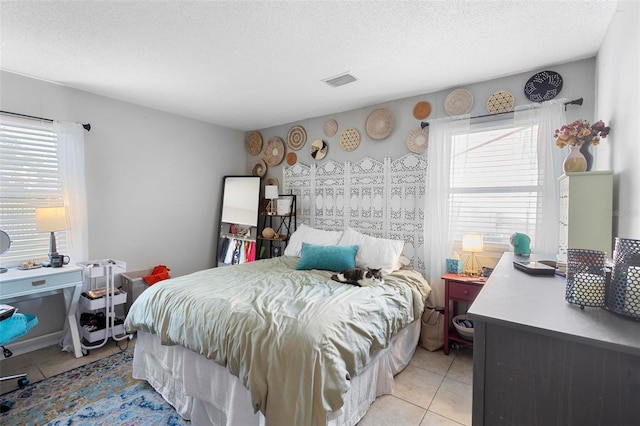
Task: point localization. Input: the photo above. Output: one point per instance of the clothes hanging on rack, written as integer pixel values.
(237, 251)
(222, 249)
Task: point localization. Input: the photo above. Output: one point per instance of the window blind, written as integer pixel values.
(494, 183)
(28, 179)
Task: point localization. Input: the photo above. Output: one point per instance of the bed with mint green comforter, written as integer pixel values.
(294, 338)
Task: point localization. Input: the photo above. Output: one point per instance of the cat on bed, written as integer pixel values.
(360, 277)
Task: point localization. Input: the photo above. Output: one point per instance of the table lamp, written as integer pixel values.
(271, 193)
(51, 219)
(472, 243)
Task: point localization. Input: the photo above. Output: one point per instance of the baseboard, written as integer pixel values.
(27, 345)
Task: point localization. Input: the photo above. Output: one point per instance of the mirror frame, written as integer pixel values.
(5, 242)
(230, 191)
(233, 197)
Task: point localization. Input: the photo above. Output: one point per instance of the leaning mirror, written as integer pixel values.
(240, 199)
(238, 219)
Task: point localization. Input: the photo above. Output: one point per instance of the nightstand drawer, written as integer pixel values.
(463, 291)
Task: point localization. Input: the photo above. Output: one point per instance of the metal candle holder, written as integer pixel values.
(623, 290)
(586, 277)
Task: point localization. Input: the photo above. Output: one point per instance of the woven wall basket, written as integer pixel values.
(458, 102)
(349, 139)
(297, 137)
(379, 124)
(273, 152)
(253, 142)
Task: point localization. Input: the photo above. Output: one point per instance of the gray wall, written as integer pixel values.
(578, 81)
(153, 178)
(154, 181)
(618, 83)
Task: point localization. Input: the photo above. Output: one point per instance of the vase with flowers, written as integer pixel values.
(579, 135)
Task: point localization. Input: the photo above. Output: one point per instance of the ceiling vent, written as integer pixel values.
(340, 80)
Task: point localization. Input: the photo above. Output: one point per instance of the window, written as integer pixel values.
(28, 179)
(494, 182)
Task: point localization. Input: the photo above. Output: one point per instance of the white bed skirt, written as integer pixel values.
(207, 394)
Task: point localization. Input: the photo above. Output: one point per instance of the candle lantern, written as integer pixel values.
(585, 277)
(623, 291)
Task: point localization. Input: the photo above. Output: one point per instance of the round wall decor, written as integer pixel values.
(379, 124)
(259, 169)
(319, 149)
(418, 140)
(253, 142)
(272, 181)
(500, 102)
(349, 139)
(291, 158)
(273, 152)
(458, 102)
(297, 137)
(422, 110)
(543, 86)
(330, 127)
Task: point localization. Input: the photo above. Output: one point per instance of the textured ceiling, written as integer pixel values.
(255, 64)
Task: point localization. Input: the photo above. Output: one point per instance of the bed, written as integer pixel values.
(269, 342)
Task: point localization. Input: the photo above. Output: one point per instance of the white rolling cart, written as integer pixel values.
(93, 270)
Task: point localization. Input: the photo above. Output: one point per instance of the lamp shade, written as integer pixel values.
(472, 243)
(271, 192)
(49, 219)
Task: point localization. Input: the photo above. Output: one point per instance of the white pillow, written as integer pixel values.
(307, 234)
(373, 252)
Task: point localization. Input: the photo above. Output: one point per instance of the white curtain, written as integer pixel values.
(547, 116)
(438, 217)
(71, 169)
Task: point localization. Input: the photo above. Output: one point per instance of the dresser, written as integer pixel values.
(538, 360)
(586, 212)
(16, 284)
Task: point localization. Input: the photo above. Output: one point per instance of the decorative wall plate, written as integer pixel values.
(330, 127)
(379, 124)
(297, 137)
(422, 110)
(500, 102)
(458, 102)
(253, 142)
(543, 86)
(259, 169)
(418, 140)
(319, 149)
(273, 152)
(349, 139)
(292, 158)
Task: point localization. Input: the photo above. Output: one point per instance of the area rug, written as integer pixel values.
(100, 393)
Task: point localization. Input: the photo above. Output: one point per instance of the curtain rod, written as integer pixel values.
(87, 126)
(578, 101)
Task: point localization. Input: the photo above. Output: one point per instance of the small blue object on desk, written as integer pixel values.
(521, 244)
(455, 266)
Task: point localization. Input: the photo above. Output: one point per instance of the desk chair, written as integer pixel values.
(11, 328)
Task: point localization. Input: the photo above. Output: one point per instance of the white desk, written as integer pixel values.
(16, 284)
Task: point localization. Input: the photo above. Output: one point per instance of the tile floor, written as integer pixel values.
(434, 389)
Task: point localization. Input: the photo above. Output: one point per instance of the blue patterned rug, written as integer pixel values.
(100, 393)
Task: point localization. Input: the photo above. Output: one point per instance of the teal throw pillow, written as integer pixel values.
(328, 258)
